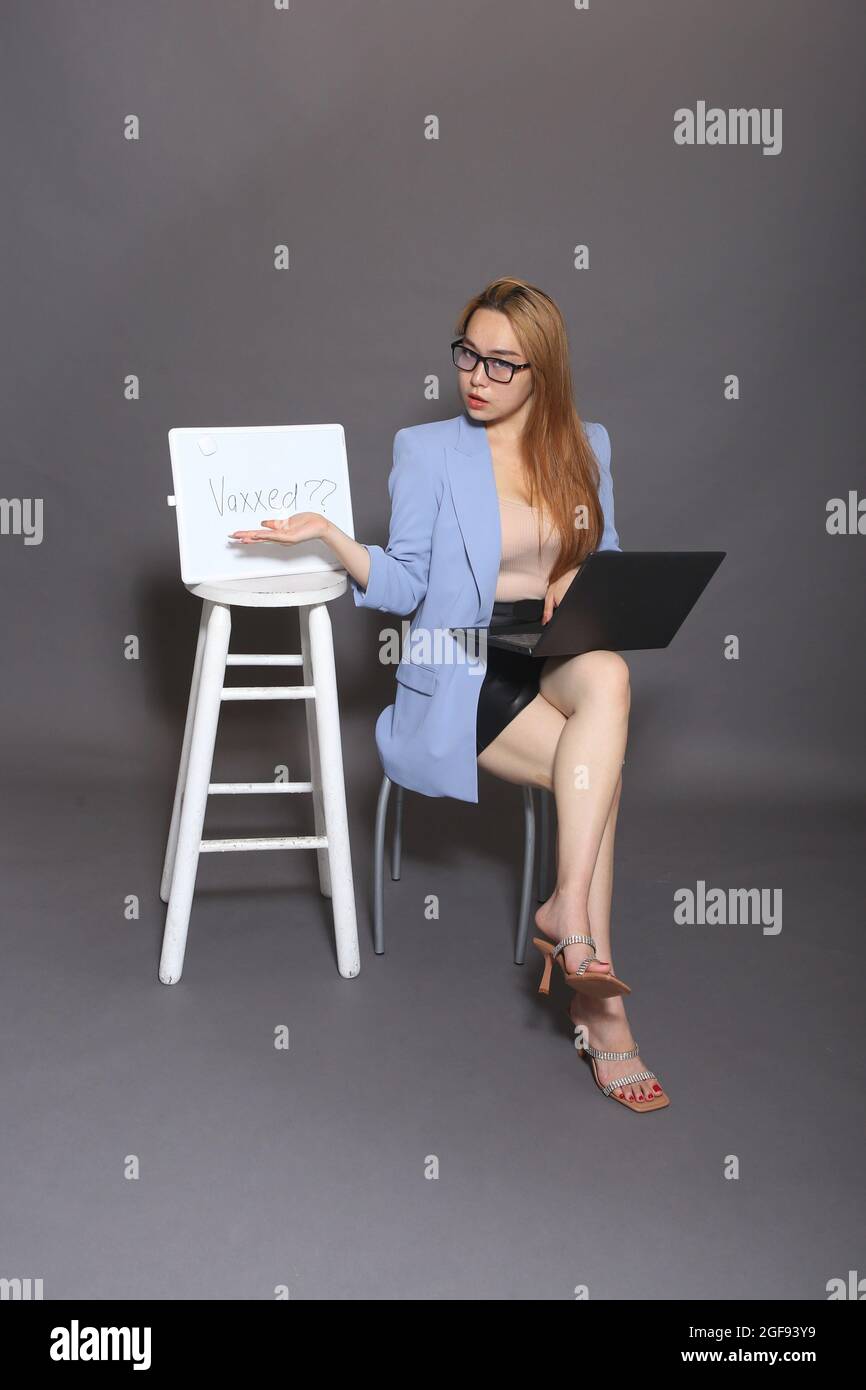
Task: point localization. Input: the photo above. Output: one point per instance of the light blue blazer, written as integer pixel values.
(442, 558)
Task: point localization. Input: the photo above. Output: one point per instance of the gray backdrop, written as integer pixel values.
(154, 257)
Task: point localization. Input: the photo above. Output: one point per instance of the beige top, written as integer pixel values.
(523, 573)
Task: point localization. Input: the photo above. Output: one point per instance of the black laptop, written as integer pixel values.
(619, 600)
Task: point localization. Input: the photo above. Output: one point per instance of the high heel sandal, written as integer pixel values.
(598, 985)
(623, 1082)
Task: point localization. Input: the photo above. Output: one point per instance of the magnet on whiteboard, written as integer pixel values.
(207, 444)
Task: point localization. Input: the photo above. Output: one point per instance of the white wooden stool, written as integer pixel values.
(309, 593)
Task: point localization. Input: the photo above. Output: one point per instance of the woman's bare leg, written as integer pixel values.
(574, 754)
(592, 693)
(525, 753)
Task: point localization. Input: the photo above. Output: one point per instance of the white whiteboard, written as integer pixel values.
(230, 478)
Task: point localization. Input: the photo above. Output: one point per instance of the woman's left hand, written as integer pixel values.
(554, 595)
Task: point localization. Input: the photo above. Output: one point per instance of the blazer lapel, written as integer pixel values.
(473, 488)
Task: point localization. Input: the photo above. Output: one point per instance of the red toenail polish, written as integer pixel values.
(656, 1088)
(641, 1097)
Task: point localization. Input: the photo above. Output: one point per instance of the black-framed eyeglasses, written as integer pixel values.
(495, 367)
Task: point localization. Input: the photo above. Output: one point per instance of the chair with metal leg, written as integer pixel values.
(529, 845)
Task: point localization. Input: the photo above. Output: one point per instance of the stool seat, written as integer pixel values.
(280, 591)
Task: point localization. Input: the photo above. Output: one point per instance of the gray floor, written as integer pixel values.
(306, 1167)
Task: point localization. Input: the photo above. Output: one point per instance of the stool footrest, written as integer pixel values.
(263, 659)
(268, 692)
(267, 842)
(231, 788)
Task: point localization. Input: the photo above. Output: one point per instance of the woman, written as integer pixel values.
(501, 504)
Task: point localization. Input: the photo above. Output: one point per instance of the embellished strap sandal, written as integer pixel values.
(594, 983)
(622, 1082)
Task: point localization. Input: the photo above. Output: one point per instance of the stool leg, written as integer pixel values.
(171, 846)
(313, 746)
(334, 790)
(379, 866)
(526, 883)
(207, 711)
(397, 842)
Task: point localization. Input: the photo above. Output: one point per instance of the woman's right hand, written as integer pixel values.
(304, 526)
(312, 526)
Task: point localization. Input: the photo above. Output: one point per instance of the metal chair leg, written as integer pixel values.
(526, 883)
(545, 877)
(397, 841)
(379, 866)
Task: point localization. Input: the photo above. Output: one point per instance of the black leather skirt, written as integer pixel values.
(512, 678)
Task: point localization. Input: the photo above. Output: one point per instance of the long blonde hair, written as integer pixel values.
(562, 470)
